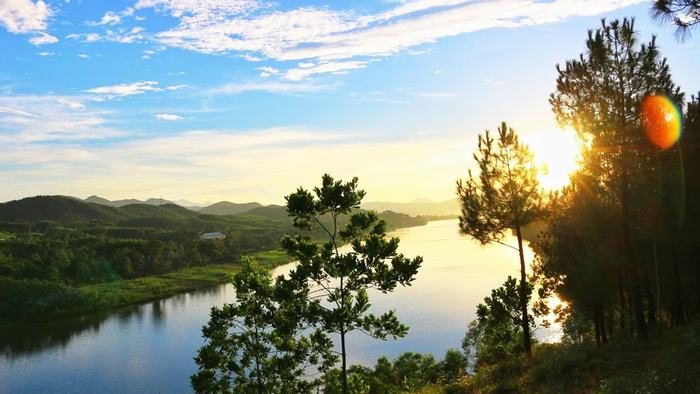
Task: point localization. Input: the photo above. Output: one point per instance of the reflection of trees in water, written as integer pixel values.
(27, 339)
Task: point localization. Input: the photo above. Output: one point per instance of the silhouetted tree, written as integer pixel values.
(599, 94)
(504, 197)
(497, 331)
(336, 283)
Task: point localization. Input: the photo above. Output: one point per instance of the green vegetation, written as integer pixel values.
(504, 196)
(275, 330)
(61, 256)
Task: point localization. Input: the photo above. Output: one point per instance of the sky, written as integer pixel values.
(245, 100)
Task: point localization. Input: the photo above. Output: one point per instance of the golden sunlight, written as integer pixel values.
(557, 152)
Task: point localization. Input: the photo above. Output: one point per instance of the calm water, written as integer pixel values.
(149, 348)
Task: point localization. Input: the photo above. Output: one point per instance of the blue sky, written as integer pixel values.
(245, 100)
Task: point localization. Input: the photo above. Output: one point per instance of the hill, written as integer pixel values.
(57, 208)
(277, 212)
(229, 208)
(120, 203)
(416, 208)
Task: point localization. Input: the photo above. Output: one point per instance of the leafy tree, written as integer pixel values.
(336, 283)
(255, 345)
(685, 14)
(497, 331)
(599, 94)
(505, 196)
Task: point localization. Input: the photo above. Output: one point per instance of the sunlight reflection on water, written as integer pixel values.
(149, 347)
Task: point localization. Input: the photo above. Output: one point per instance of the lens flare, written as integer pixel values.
(661, 121)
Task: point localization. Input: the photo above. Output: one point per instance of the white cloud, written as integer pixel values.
(24, 16)
(45, 53)
(200, 9)
(130, 89)
(121, 35)
(127, 89)
(307, 69)
(267, 71)
(83, 56)
(322, 35)
(70, 103)
(169, 117)
(43, 38)
(270, 87)
(109, 18)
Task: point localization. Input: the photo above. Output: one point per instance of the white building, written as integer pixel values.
(216, 235)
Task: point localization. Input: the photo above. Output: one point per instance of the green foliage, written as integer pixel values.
(408, 373)
(337, 283)
(506, 194)
(497, 334)
(255, 344)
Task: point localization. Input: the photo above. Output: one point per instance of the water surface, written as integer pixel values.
(149, 348)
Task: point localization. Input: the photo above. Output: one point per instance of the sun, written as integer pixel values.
(557, 152)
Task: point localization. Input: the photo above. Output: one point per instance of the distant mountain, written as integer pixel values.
(229, 208)
(270, 211)
(416, 208)
(190, 204)
(120, 203)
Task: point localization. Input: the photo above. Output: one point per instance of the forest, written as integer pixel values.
(617, 248)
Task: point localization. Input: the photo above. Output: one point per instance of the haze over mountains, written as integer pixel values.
(413, 208)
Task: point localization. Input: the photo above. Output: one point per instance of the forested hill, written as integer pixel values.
(229, 208)
(69, 210)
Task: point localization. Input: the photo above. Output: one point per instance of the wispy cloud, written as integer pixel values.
(326, 34)
(168, 117)
(29, 119)
(305, 70)
(235, 164)
(270, 87)
(127, 89)
(43, 38)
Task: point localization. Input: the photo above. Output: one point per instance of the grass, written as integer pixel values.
(149, 288)
(106, 296)
(668, 362)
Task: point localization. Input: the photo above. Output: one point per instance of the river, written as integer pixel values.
(149, 348)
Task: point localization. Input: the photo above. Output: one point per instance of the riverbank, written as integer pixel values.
(103, 297)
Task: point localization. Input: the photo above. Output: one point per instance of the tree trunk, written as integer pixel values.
(525, 320)
(632, 263)
(677, 314)
(651, 302)
(345, 365)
